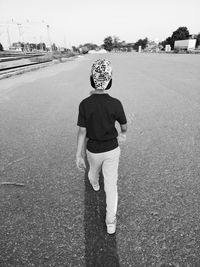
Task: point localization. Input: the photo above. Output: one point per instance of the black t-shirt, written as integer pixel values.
(98, 114)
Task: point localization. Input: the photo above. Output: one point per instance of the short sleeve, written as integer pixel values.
(121, 117)
(81, 116)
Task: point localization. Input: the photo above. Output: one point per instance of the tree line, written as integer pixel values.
(182, 33)
(111, 43)
(30, 46)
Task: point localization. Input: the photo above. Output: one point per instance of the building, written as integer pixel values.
(185, 45)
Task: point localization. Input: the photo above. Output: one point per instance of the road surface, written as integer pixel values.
(50, 216)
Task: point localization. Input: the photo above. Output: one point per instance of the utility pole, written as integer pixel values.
(6, 28)
(65, 44)
(21, 38)
(20, 27)
(49, 37)
(8, 36)
(41, 43)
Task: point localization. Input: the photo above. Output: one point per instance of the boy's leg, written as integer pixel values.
(110, 173)
(95, 163)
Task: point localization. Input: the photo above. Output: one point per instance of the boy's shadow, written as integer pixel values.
(100, 248)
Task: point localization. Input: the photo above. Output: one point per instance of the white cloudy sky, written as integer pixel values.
(74, 22)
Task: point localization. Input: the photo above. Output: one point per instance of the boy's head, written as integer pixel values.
(101, 75)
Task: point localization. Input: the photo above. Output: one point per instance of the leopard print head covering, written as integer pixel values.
(101, 73)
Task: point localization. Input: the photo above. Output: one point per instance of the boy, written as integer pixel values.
(96, 120)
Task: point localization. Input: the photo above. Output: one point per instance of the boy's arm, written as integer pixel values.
(123, 128)
(121, 118)
(81, 139)
(122, 135)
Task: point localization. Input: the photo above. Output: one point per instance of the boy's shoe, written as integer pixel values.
(111, 227)
(96, 187)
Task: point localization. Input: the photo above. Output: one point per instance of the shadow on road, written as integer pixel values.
(100, 248)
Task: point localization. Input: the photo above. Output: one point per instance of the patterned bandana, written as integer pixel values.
(101, 73)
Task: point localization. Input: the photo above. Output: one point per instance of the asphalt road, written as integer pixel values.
(50, 216)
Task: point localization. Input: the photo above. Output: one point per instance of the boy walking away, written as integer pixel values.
(96, 120)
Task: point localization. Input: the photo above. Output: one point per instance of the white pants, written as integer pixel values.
(109, 162)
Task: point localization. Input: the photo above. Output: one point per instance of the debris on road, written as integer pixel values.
(12, 183)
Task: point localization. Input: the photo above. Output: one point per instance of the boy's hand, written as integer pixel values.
(121, 138)
(80, 163)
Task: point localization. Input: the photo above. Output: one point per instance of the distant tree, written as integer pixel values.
(44, 46)
(108, 43)
(22, 46)
(142, 43)
(181, 33)
(198, 40)
(38, 46)
(91, 46)
(41, 46)
(116, 42)
(54, 47)
(167, 41)
(1, 47)
(33, 46)
(75, 49)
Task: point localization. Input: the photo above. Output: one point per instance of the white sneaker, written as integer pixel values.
(111, 227)
(96, 187)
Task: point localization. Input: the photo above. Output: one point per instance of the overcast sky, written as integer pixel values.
(75, 22)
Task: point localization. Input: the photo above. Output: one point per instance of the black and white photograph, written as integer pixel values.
(99, 133)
